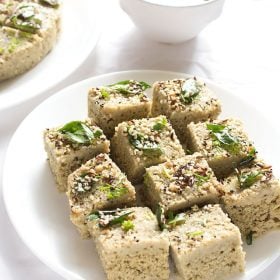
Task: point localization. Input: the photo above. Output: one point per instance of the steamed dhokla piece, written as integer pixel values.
(181, 183)
(98, 184)
(224, 144)
(113, 104)
(207, 245)
(138, 144)
(130, 244)
(71, 145)
(184, 101)
(28, 33)
(252, 199)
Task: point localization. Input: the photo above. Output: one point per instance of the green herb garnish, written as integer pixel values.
(171, 221)
(176, 220)
(249, 158)
(161, 124)
(246, 180)
(160, 217)
(190, 90)
(127, 225)
(196, 233)
(222, 138)
(109, 218)
(200, 179)
(105, 94)
(149, 147)
(113, 192)
(25, 19)
(249, 238)
(79, 132)
(13, 44)
(128, 87)
(52, 3)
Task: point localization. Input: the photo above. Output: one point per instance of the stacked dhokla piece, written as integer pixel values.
(184, 101)
(181, 183)
(224, 143)
(98, 184)
(138, 144)
(110, 105)
(206, 245)
(252, 199)
(71, 145)
(130, 244)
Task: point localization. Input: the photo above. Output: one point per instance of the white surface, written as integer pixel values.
(240, 51)
(171, 23)
(50, 234)
(79, 35)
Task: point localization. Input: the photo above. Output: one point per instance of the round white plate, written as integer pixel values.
(41, 215)
(78, 37)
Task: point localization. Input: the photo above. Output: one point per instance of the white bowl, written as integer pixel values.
(172, 21)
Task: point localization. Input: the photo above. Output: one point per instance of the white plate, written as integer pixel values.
(78, 37)
(41, 215)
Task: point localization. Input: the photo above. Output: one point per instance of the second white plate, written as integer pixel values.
(79, 35)
(41, 215)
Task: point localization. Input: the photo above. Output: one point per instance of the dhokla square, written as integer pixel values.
(122, 101)
(184, 101)
(207, 245)
(181, 183)
(130, 244)
(69, 146)
(224, 144)
(96, 185)
(252, 199)
(138, 144)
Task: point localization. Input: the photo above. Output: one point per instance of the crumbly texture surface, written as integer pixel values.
(183, 109)
(21, 50)
(138, 144)
(97, 185)
(108, 106)
(207, 245)
(138, 253)
(252, 199)
(222, 158)
(181, 183)
(66, 156)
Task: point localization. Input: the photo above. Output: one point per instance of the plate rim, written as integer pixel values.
(62, 272)
(88, 49)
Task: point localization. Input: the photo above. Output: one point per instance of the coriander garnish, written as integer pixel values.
(113, 192)
(52, 3)
(160, 125)
(223, 138)
(247, 179)
(127, 225)
(171, 221)
(174, 220)
(160, 217)
(190, 90)
(129, 87)
(196, 233)
(201, 179)
(25, 19)
(249, 158)
(109, 218)
(105, 94)
(79, 132)
(149, 147)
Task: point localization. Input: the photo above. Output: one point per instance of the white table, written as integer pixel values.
(240, 51)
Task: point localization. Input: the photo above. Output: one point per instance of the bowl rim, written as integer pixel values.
(165, 5)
